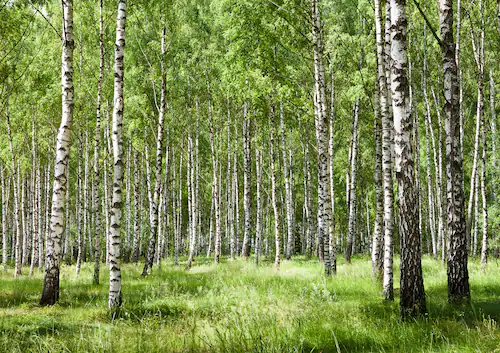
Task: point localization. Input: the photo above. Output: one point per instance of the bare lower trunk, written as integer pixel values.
(412, 293)
(484, 246)
(50, 292)
(377, 243)
(79, 216)
(115, 282)
(288, 192)
(17, 211)
(325, 230)
(193, 208)
(137, 192)
(245, 247)
(458, 275)
(178, 234)
(258, 225)
(352, 186)
(277, 226)
(97, 181)
(4, 222)
(428, 133)
(493, 127)
(159, 160)
(35, 197)
(215, 194)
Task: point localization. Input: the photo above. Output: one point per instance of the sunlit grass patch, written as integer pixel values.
(240, 307)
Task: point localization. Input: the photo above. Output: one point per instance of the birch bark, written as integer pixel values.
(50, 292)
(115, 282)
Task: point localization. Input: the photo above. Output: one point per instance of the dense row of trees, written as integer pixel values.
(249, 128)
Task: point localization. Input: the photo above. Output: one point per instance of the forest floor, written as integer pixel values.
(238, 307)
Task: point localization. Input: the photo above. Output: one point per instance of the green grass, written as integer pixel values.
(238, 307)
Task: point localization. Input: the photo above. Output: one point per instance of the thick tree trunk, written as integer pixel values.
(325, 230)
(50, 293)
(458, 275)
(412, 302)
(115, 282)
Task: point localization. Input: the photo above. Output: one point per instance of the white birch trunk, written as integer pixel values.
(5, 253)
(245, 248)
(277, 226)
(17, 206)
(288, 196)
(458, 276)
(352, 186)
(50, 292)
(325, 230)
(412, 302)
(115, 283)
(258, 225)
(97, 179)
(159, 160)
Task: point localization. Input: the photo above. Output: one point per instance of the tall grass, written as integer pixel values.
(238, 307)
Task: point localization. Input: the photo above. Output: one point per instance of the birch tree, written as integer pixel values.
(97, 179)
(159, 160)
(458, 275)
(412, 302)
(50, 292)
(324, 198)
(115, 282)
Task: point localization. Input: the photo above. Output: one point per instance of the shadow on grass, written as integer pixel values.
(483, 305)
(10, 300)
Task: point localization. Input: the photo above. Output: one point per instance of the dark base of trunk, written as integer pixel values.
(458, 283)
(189, 263)
(115, 304)
(96, 276)
(50, 292)
(414, 309)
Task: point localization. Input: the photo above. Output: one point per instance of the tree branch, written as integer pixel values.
(434, 33)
